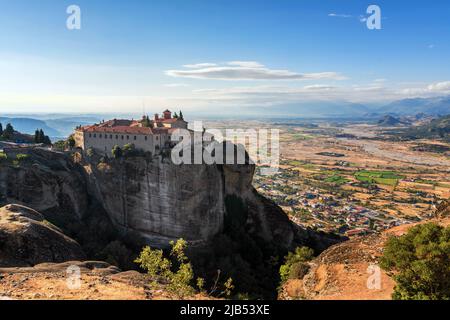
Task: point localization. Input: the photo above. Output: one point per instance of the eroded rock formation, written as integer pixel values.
(26, 239)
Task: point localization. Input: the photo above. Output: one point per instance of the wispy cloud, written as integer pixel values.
(248, 70)
(439, 86)
(340, 15)
(199, 65)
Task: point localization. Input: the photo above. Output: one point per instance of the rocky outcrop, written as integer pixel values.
(27, 239)
(48, 182)
(349, 270)
(161, 201)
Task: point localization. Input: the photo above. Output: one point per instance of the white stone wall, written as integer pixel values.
(105, 142)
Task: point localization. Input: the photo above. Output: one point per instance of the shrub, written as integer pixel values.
(90, 152)
(178, 276)
(295, 263)
(71, 141)
(419, 261)
(22, 157)
(117, 152)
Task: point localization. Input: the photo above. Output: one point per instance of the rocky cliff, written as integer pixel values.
(26, 239)
(152, 198)
(161, 201)
(47, 182)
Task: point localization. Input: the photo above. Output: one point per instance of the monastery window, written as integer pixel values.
(100, 135)
(122, 137)
(134, 137)
(145, 138)
(117, 137)
(90, 135)
(95, 135)
(128, 137)
(110, 136)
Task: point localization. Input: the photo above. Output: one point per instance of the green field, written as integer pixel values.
(336, 179)
(389, 178)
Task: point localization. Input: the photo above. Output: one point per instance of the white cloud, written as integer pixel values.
(339, 15)
(439, 86)
(246, 64)
(431, 46)
(199, 65)
(249, 70)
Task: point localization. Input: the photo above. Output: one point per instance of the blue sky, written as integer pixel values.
(217, 53)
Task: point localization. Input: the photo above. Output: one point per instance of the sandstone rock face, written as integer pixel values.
(48, 182)
(27, 239)
(153, 198)
(160, 201)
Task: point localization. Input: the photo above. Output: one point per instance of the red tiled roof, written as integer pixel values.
(119, 129)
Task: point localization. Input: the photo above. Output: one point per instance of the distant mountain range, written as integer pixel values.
(55, 128)
(29, 125)
(437, 106)
(431, 106)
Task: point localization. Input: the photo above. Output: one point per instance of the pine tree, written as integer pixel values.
(1, 129)
(8, 132)
(181, 115)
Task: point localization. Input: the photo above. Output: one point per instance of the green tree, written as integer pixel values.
(60, 145)
(181, 115)
(146, 122)
(71, 141)
(129, 149)
(175, 115)
(36, 136)
(1, 129)
(295, 265)
(177, 275)
(116, 152)
(419, 263)
(8, 132)
(47, 141)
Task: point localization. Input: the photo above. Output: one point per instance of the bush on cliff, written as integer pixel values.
(295, 265)
(116, 152)
(419, 261)
(177, 274)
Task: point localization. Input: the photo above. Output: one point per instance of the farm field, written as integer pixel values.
(364, 182)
